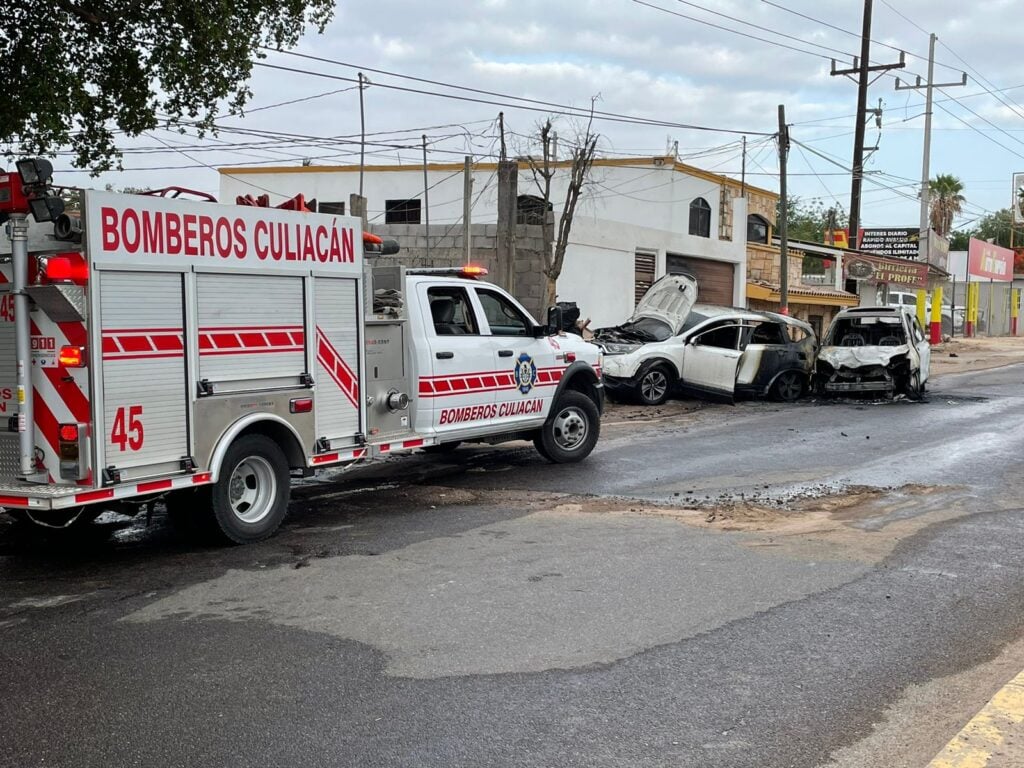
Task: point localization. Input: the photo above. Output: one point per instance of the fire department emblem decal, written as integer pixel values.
(525, 373)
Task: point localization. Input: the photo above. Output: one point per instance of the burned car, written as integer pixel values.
(874, 349)
(673, 344)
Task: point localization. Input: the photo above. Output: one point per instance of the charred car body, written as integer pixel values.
(672, 343)
(873, 349)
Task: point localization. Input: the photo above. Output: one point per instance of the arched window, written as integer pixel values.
(757, 229)
(700, 218)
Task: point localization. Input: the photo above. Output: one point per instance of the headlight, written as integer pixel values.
(619, 349)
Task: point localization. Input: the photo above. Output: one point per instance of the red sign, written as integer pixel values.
(991, 262)
(878, 269)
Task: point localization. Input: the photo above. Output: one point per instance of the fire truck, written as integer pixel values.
(205, 354)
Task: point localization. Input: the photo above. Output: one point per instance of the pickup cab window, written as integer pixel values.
(503, 317)
(451, 312)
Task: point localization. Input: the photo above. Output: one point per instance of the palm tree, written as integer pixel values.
(946, 201)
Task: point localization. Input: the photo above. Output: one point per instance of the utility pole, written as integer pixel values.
(501, 130)
(862, 68)
(426, 197)
(467, 204)
(924, 235)
(743, 170)
(783, 214)
(362, 136)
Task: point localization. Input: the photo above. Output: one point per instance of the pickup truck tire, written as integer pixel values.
(571, 431)
(653, 385)
(250, 499)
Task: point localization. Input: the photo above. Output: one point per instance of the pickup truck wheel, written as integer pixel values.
(571, 431)
(788, 387)
(653, 385)
(250, 500)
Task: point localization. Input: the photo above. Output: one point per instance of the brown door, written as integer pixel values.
(714, 278)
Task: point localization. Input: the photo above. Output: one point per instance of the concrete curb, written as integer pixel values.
(994, 737)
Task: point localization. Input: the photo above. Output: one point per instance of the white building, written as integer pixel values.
(636, 220)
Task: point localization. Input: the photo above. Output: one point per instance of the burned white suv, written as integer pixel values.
(873, 349)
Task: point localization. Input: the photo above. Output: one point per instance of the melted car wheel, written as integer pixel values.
(788, 387)
(653, 386)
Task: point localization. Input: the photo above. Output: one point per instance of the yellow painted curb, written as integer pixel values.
(984, 736)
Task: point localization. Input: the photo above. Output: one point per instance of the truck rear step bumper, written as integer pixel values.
(43, 497)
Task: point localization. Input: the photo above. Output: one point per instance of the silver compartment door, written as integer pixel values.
(251, 332)
(337, 360)
(145, 413)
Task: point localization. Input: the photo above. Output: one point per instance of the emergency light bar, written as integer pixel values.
(471, 271)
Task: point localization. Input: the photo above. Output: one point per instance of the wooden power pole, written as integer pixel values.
(863, 69)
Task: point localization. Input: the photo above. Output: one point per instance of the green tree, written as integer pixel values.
(946, 192)
(994, 226)
(810, 220)
(75, 72)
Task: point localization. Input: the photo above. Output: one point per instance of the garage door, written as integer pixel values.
(714, 278)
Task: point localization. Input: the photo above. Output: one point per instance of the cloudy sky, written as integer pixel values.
(659, 67)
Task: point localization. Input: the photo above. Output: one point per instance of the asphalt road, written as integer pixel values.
(759, 585)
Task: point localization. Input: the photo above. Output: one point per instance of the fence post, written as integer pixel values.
(936, 334)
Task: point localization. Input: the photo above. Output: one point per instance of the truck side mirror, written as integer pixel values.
(389, 247)
(554, 320)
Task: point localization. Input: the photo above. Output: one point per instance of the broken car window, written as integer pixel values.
(767, 333)
(867, 332)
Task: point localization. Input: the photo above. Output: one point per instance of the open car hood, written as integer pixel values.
(855, 357)
(670, 300)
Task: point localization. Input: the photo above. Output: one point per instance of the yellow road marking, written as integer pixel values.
(986, 733)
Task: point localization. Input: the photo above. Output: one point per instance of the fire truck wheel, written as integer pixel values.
(571, 431)
(250, 500)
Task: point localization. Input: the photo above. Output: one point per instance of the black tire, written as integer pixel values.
(914, 387)
(789, 386)
(653, 385)
(250, 500)
(571, 431)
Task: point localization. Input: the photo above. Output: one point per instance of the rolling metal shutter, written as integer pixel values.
(644, 271)
(714, 278)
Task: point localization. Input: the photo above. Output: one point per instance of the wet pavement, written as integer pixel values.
(749, 585)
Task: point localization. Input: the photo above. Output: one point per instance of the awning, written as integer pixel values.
(828, 297)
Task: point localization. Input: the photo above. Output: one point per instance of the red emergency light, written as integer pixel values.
(72, 356)
(71, 267)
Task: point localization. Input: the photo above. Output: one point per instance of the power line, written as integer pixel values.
(527, 104)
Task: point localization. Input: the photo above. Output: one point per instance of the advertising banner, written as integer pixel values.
(898, 243)
(989, 262)
(877, 269)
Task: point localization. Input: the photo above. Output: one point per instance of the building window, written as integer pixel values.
(402, 211)
(530, 209)
(757, 229)
(700, 218)
(336, 209)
